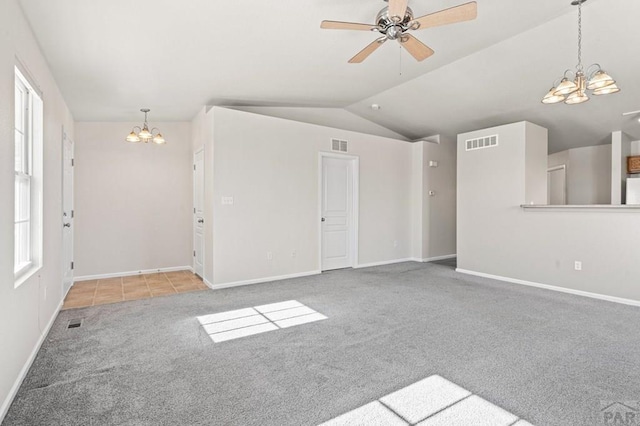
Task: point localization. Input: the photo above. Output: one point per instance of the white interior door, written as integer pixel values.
(198, 213)
(67, 212)
(557, 186)
(337, 213)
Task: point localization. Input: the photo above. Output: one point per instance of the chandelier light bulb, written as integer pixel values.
(552, 98)
(566, 87)
(607, 90)
(577, 98)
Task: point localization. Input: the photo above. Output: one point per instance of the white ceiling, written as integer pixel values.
(112, 57)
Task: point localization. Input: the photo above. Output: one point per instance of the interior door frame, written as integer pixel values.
(562, 167)
(64, 138)
(193, 223)
(355, 214)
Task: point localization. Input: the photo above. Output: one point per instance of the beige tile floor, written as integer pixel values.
(113, 290)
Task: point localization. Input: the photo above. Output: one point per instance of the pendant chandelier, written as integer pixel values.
(572, 87)
(144, 134)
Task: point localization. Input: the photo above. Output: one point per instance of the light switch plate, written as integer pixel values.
(227, 200)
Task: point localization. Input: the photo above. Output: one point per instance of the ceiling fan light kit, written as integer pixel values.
(573, 86)
(395, 21)
(144, 134)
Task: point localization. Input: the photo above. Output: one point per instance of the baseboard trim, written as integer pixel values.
(384, 262)
(553, 288)
(260, 280)
(130, 273)
(436, 258)
(4, 408)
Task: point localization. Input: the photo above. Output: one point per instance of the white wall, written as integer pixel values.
(25, 312)
(270, 167)
(589, 175)
(588, 172)
(497, 237)
(133, 201)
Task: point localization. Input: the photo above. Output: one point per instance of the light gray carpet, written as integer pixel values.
(547, 357)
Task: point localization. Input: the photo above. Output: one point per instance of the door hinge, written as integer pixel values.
(73, 162)
(194, 167)
(72, 266)
(72, 214)
(194, 210)
(194, 253)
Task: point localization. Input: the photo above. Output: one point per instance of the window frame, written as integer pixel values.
(28, 188)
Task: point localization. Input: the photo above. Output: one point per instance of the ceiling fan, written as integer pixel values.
(394, 22)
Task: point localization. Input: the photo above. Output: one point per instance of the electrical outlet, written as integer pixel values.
(294, 254)
(395, 243)
(269, 255)
(577, 265)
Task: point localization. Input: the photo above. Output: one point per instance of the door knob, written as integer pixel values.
(67, 225)
(323, 219)
(200, 220)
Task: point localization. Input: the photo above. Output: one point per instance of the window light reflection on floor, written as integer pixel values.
(245, 322)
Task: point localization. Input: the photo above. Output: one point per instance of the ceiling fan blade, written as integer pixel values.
(397, 8)
(337, 25)
(464, 12)
(364, 53)
(418, 49)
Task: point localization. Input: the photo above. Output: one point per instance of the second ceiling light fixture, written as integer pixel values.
(574, 90)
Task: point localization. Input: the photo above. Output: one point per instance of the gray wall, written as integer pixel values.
(588, 172)
(439, 211)
(498, 237)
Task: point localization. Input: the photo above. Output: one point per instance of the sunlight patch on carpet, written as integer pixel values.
(433, 401)
(223, 326)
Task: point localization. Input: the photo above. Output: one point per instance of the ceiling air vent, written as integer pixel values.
(339, 145)
(479, 143)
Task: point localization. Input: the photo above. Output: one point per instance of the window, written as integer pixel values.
(28, 179)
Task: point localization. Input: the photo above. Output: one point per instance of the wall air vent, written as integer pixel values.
(479, 143)
(339, 145)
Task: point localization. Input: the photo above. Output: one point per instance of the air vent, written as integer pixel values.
(339, 145)
(75, 323)
(479, 143)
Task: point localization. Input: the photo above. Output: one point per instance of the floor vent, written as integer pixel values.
(75, 323)
(479, 143)
(339, 145)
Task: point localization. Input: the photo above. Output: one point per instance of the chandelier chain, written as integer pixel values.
(579, 66)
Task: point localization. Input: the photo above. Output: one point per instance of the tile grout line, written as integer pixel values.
(95, 293)
(391, 410)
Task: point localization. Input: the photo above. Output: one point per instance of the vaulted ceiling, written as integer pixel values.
(112, 57)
